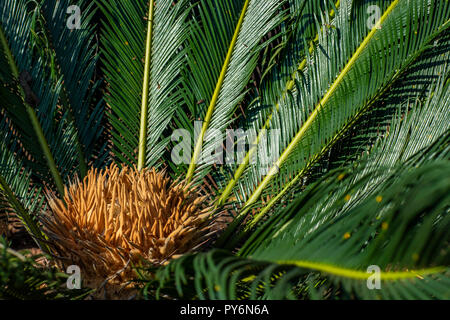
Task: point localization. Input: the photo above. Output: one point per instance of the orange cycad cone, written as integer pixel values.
(114, 218)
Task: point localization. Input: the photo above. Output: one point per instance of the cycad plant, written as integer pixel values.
(231, 149)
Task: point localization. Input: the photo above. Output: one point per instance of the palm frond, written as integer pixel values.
(390, 210)
(17, 195)
(22, 279)
(329, 82)
(30, 97)
(145, 92)
(416, 126)
(289, 62)
(223, 89)
(322, 244)
(73, 58)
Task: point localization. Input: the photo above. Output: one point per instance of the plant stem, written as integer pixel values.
(46, 149)
(33, 118)
(212, 105)
(289, 86)
(145, 90)
(26, 218)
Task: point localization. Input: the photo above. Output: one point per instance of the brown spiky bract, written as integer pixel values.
(113, 218)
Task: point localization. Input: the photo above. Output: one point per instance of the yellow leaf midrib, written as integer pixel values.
(284, 155)
(359, 274)
(145, 90)
(289, 86)
(215, 96)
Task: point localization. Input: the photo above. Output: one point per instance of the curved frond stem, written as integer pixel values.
(209, 113)
(34, 120)
(360, 274)
(45, 149)
(145, 90)
(8, 53)
(284, 155)
(28, 221)
(289, 86)
(317, 157)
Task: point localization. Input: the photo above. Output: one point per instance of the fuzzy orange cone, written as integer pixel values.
(114, 218)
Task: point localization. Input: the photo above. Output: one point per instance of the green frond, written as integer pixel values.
(326, 241)
(17, 195)
(217, 275)
(337, 187)
(279, 81)
(22, 279)
(324, 103)
(73, 58)
(223, 89)
(30, 99)
(142, 76)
